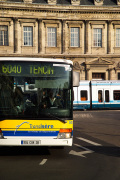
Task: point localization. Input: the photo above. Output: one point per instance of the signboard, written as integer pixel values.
(33, 69)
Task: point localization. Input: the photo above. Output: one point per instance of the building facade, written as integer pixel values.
(84, 31)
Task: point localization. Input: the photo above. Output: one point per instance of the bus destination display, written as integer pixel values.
(31, 69)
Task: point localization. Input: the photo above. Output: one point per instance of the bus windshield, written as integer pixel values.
(35, 90)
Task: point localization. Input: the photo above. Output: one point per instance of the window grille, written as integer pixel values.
(74, 37)
(3, 36)
(51, 37)
(97, 37)
(28, 36)
(118, 37)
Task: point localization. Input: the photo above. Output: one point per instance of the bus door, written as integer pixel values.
(103, 98)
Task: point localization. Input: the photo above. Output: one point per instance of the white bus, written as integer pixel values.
(36, 102)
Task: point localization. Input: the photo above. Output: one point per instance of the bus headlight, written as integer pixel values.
(64, 134)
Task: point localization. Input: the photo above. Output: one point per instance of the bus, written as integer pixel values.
(36, 107)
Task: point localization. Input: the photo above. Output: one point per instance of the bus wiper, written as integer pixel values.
(51, 115)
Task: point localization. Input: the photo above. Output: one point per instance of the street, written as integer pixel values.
(95, 154)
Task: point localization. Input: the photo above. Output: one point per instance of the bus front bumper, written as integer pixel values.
(35, 142)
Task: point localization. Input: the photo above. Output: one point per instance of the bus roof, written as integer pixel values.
(35, 59)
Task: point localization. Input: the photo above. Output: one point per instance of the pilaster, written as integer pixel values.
(88, 71)
(52, 2)
(75, 2)
(98, 2)
(27, 1)
(118, 2)
(15, 35)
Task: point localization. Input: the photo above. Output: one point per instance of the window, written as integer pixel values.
(84, 95)
(74, 37)
(118, 37)
(25, 94)
(28, 36)
(97, 37)
(100, 99)
(3, 36)
(51, 37)
(116, 94)
(99, 76)
(118, 76)
(106, 95)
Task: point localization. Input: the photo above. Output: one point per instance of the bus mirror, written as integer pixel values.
(76, 78)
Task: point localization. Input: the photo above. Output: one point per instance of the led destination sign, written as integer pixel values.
(18, 69)
(34, 69)
(29, 69)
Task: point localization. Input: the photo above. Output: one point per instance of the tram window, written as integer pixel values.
(106, 96)
(84, 95)
(116, 94)
(100, 96)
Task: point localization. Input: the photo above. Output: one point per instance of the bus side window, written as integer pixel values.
(107, 96)
(84, 95)
(100, 96)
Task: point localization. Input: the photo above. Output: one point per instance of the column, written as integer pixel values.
(110, 74)
(39, 36)
(88, 72)
(52, 2)
(15, 35)
(75, 2)
(109, 37)
(64, 37)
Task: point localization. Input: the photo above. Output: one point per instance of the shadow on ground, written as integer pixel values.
(106, 150)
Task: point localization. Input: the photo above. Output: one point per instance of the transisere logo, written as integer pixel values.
(18, 126)
(31, 126)
(41, 126)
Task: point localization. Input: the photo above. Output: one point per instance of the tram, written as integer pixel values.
(97, 95)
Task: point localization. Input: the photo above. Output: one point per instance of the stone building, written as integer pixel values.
(84, 31)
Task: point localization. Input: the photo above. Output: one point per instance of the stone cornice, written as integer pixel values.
(51, 12)
(68, 56)
(60, 8)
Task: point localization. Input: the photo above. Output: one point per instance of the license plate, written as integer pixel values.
(30, 142)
